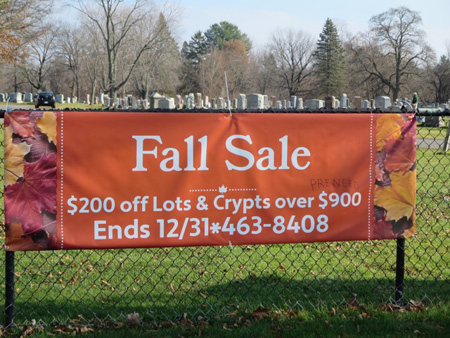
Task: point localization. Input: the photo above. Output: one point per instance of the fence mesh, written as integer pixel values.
(204, 282)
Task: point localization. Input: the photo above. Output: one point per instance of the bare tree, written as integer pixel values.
(211, 74)
(233, 60)
(236, 64)
(157, 69)
(293, 53)
(37, 65)
(71, 51)
(117, 24)
(393, 49)
(264, 70)
(439, 79)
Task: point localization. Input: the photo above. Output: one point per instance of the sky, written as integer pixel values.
(260, 18)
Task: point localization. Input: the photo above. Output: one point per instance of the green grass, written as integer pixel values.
(437, 133)
(335, 322)
(303, 287)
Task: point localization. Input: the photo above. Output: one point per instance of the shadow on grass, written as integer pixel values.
(241, 296)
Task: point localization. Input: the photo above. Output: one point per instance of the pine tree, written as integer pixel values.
(202, 45)
(330, 62)
(192, 53)
(219, 33)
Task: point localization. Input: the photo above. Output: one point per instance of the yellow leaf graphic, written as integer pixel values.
(399, 199)
(47, 124)
(14, 157)
(388, 128)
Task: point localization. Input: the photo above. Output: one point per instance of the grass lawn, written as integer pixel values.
(334, 322)
(318, 289)
(431, 132)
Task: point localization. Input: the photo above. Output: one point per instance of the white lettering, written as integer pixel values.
(140, 152)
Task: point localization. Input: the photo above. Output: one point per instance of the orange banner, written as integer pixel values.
(129, 179)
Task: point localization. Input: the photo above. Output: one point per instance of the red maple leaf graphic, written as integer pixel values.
(26, 200)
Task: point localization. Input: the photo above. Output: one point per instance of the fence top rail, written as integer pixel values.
(420, 112)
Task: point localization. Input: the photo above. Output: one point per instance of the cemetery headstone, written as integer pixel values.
(434, 121)
(154, 98)
(255, 102)
(357, 102)
(242, 102)
(330, 102)
(266, 101)
(273, 101)
(382, 102)
(314, 104)
(344, 101)
(178, 102)
(293, 101)
(134, 103)
(198, 100)
(28, 97)
(15, 97)
(166, 103)
(190, 103)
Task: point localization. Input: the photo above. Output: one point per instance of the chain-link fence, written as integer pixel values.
(205, 282)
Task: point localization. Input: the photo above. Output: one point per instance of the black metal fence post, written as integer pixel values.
(400, 272)
(9, 289)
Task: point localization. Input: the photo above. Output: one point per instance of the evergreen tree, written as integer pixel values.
(330, 62)
(195, 49)
(202, 45)
(219, 33)
(192, 53)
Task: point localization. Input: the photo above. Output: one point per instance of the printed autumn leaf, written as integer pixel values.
(400, 154)
(388, 128)
(409, 128)
(381, 175)
(14, 158)
(47, 124)
(40, 146)
(403, 227)
(29, 197)
(399, 198)
(15, 239)
(20, 123)
(46, 237)
(409, 227)
(383, 230)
